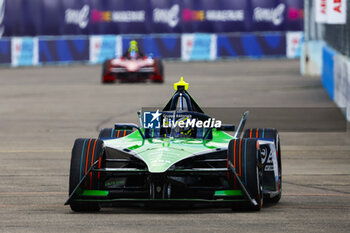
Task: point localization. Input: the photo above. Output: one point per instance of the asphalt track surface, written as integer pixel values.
(42, 111)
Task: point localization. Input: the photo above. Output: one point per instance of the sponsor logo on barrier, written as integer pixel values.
(198, 47)
(272, 15)
(213, 15)
(2, 16)
(295, 13)
(118, 16)
(104, 47)
(191, 15)
(24, 51)
(294, 42)
(168, 16)
(224, 15)
(78, 17)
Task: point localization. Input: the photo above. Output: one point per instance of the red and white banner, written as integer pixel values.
(321, 11)
(336, 11)
(330, 11)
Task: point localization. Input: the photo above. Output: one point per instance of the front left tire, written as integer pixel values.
(85, 153)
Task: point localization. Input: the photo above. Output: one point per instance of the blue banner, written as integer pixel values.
(251, 45)
(328, 70)
(63, 50)
(91, 17)
(5, 51)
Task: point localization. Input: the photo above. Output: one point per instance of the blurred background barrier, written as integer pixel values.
(53, 50)
(326, 48)
(157, 45)
(94, 49)
(90, 17)
(91, 30)
(5, 51)
(252, 45)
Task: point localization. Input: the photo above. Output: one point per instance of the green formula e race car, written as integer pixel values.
(178, 155)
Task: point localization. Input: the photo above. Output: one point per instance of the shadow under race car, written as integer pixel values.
(168, 164)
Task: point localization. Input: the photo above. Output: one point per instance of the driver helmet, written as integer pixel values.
(185, 131)
(133, 47)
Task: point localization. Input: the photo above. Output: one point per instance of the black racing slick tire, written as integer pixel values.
(85, 153)
(106, 77)
(244, 155)
(108, 133)
(269, 133)
(161, 68)
(160, 72)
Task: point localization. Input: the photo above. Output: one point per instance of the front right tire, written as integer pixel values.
(244, 154)
(269, 133)
(106, 76)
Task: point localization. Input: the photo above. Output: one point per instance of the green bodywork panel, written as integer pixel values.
(94, 193)
(236, 192)
(161, 153)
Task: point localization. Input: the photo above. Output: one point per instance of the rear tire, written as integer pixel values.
(245, 156)
(85, 152)
(269, 133)
(106, 77)
(108, 133)
(160, 72)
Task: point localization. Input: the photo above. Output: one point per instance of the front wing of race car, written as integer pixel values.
(218, 184)
(218, 197)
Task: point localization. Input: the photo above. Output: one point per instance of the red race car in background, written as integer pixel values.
(133, 69)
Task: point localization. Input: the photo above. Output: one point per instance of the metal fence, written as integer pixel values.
(336, 36)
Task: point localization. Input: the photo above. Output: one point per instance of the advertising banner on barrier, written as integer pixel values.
(166, 16)
(76, 17)
(328, 70)
(342, 83)
(104, 47)
(294, 15)
(320, 11)
(294, 42)
(215, 16)
(336, 12)
(268, 15)
(5, 51)
(198, 47)
(330, 12)
(24, 51)
(251, 45)
(341, 73)
(63, 49)
(90, 17)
